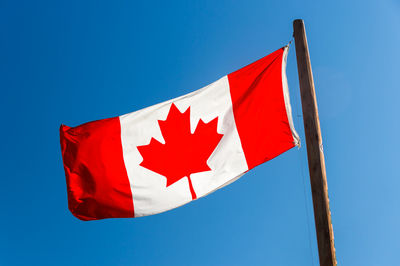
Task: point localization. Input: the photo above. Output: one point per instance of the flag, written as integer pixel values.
(169, 154)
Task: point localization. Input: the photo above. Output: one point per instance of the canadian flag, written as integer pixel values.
(169, 154)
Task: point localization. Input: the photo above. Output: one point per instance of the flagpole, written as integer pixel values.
(315, 153)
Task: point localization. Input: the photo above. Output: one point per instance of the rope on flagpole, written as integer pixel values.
(299, 117)
(290, 42)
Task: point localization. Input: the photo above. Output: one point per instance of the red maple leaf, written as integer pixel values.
(183, 153)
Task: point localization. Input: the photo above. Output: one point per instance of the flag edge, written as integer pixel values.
(286, 97)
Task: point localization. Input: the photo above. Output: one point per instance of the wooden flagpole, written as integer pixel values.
(315, 153)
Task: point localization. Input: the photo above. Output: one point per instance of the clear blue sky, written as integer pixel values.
(75, 61)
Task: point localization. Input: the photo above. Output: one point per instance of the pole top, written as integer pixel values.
(298, 21)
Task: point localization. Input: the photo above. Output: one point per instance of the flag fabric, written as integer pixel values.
(169, 154)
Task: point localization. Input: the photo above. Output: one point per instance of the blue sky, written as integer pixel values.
(75, 61)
